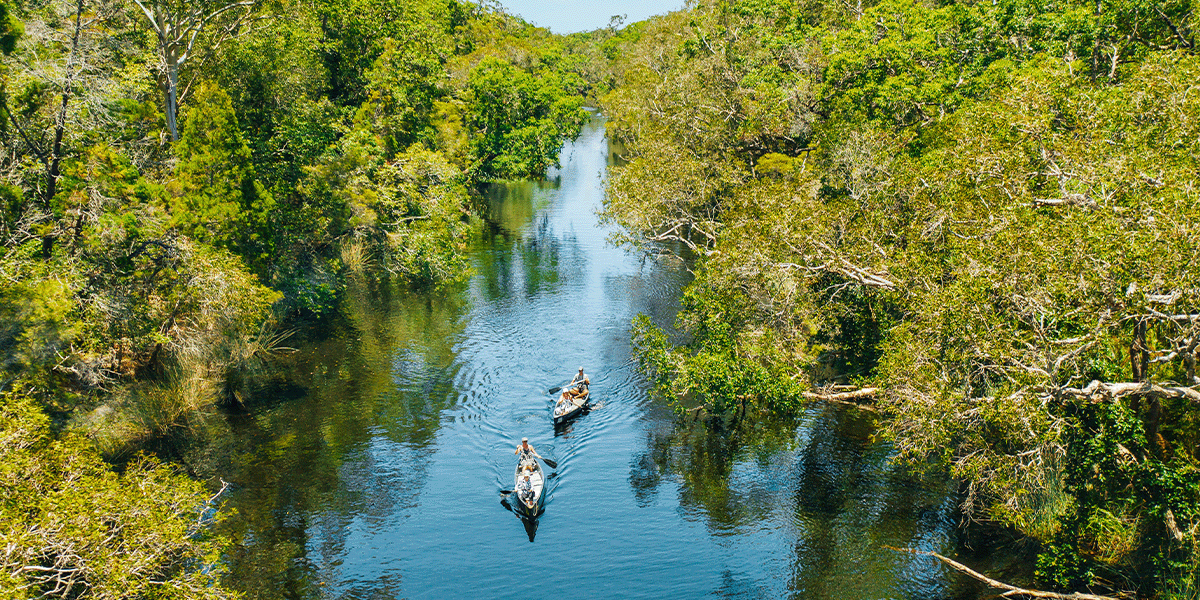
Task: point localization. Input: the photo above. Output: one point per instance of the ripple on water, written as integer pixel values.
(386, 476)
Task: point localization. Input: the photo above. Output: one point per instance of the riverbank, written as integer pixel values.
(901, 197)
(168, 215)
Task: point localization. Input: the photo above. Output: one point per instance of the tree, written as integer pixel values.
(220, 200)
(10, 29)
(47, 139)
(995, 239)
(73, 528)
(179, 25)
(521, 119)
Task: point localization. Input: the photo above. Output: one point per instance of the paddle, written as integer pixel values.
(554, 390)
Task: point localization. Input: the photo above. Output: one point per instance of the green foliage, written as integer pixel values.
(894, 65)
(978, 208)
(11, 200)
(410, 208)
(74, 528)
(725, 368)
(10, 29)
(356, 34)
(329, 141)
(219, 199)
(37, 311)
(775, 164)
(402, 87)
(421, 210)
(522, 119)
(1110, 464)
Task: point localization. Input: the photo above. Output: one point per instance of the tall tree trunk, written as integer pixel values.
(53, 161)
(1136, 365)
(1153, 421)
(172, 96)
(177, 23)
(1139, 362)
(1139, 353)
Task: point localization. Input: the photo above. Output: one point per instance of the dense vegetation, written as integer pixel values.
(988, 211)
(180, 180)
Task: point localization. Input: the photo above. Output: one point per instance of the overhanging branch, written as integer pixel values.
(1010, 591)
(1097, 390)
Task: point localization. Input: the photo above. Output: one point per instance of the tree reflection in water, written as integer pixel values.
(822, 482)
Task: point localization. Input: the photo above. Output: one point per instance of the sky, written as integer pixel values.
(569, 16)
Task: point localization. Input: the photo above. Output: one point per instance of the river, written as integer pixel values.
(375, 472)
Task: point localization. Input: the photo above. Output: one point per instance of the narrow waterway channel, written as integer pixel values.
(378, 477)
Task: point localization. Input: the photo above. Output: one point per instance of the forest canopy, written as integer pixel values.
(182, 180)
(981, 215)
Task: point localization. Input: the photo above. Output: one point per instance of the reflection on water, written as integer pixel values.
(377, 476)
(531, 525)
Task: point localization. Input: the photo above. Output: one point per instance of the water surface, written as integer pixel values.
(378, 475)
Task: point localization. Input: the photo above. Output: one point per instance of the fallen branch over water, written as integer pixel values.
(1097, 390)
(846, 397)
(1010, 590)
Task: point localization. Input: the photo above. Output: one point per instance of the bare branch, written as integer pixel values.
(1186, 43)
(1010, 590)
(1097, 390)
(1066, 200)
(846, 397)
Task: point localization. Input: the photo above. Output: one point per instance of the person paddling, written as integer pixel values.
(582, 380)
(526, 452)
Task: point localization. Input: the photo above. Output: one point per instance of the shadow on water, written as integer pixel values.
(531, 525)
(377, 465)
(828, 494)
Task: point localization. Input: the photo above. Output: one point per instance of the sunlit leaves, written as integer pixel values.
(10, 29)
(219, 199)
(997, 203)
(71, 527)
(520, 119)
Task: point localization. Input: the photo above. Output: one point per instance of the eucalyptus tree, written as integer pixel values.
(183, 29)
(72, 527)
(983, 214)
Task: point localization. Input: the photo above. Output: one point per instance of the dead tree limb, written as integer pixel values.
(1183, 41)
(1010, 590)
(846, 397)
(1096, 390)
(1066, 200)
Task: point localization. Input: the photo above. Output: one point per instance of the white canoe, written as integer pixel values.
(525, 506)
(573, 409)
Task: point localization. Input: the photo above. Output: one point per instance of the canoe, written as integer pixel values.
(575, 408)
(529, 508)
